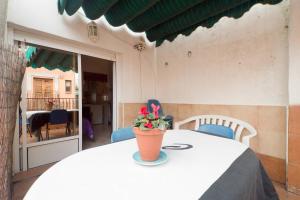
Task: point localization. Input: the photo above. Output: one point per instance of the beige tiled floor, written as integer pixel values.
(283, 194)
(20, 188)
(102, 137)
(23, 180)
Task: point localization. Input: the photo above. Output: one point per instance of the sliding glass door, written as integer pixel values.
(49, 112)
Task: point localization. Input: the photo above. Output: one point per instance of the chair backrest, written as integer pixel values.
(235, 124)
(122, 134)
(58, 117)
(157, 103)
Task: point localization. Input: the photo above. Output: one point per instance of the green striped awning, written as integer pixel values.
(50, 59)
(161, 19)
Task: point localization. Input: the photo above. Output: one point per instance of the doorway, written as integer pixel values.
(97, 101)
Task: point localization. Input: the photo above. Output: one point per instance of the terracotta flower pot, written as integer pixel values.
(49, 107)
(149, 143)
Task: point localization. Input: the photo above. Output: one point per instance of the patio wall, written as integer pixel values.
(238, 68)
(269, 121)
(294, 99)
(58, 77)
(237, 62)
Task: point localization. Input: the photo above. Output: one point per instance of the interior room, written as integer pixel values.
(97, 86)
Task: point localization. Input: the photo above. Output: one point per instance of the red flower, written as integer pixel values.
(144, 111)
(155, 110)
(51, 101)
(148, 125)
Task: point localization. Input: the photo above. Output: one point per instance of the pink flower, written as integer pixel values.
(155, 110)
(148, 125)
(144, 111)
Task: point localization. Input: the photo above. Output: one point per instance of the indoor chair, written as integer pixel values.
(58, 117)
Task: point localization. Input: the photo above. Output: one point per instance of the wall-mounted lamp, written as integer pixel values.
(140, 46)
(189, 54)
(92, 31)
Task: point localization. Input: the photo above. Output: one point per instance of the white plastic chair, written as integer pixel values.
(235, 124)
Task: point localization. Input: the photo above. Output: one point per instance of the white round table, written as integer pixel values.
(109, 172)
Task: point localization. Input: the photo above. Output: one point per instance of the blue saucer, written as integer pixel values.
(163, 158)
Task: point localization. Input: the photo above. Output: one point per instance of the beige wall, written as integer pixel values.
(237, 68)
(294, 99)
(237, 62)
(56, 75)
(269, 121)
(294, 53)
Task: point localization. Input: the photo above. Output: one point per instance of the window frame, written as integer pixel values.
(66, 91)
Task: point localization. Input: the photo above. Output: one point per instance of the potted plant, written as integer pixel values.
(149, 129)
(50, 103)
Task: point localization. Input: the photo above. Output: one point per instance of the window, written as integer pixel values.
(42, 88)
(68, 86)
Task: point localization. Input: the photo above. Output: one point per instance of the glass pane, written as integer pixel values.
(51, 80)
(68, 84)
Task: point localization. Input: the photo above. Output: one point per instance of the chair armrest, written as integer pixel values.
(169, 119)
(177, 125)
(246, 139)
(180, 123)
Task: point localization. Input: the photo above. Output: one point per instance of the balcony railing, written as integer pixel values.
(45, 103)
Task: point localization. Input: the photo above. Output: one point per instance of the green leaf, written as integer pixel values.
(141, 117)
(151, 116)
(155, 123)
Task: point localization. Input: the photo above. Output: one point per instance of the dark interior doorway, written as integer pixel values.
(97, 101)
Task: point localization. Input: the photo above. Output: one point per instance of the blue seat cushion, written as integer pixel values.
(122, 134)
(217, 130)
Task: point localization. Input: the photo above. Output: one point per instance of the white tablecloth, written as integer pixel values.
(109, 172)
